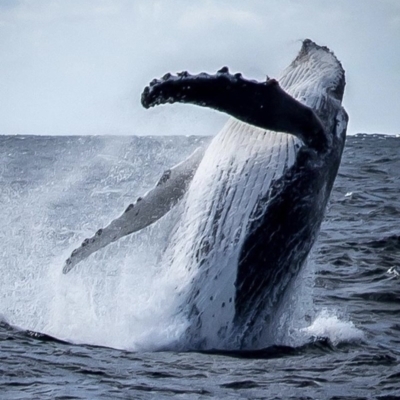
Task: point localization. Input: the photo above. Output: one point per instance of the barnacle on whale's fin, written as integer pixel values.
(263, 104)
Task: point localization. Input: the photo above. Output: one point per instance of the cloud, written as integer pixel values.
(79, 66)
(203, 16)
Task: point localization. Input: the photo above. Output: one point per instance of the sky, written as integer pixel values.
(79, 66)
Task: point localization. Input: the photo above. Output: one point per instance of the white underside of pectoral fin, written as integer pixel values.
(148, 209)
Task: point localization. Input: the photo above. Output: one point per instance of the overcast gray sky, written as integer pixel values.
(79, 66)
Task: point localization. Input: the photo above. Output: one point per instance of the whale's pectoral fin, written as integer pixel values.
(152, 206)
(263, 104)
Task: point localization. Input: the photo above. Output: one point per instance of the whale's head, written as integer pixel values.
(317, 79)
(320, 65)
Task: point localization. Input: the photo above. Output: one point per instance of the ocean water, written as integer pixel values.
(106, 325)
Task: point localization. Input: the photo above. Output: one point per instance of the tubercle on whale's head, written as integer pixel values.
(324, 62)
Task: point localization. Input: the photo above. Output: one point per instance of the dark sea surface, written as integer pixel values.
(109, 317)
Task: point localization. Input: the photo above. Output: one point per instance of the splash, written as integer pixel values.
(121, 297)
(328, 324)
(124, 296)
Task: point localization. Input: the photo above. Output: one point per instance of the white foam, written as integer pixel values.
(121, 297)
(328, 324)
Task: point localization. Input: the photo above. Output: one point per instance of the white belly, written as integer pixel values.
(236, 171)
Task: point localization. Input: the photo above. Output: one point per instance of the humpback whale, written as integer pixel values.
(253, 200)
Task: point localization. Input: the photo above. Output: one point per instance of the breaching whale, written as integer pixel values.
(253, 200)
